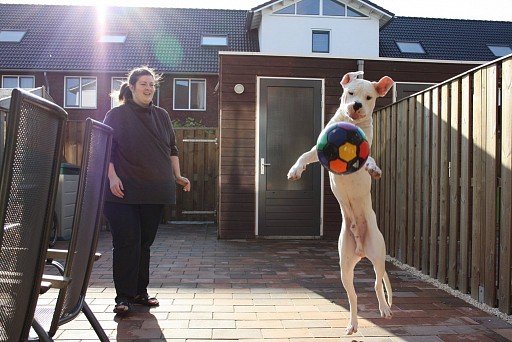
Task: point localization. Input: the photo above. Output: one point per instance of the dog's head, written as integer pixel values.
(360, 95)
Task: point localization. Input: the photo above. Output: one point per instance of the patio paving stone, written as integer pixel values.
(270, 290)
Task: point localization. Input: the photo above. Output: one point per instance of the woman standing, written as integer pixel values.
(143, 170)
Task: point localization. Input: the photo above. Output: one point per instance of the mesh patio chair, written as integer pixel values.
(80, 256)
(28, 188)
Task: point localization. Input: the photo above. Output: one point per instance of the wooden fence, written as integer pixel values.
(198, 154)
(444, 203)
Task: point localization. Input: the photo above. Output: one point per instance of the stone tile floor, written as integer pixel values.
(270, 290)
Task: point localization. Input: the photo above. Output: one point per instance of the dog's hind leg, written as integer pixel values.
(378, 258)
(347, 278)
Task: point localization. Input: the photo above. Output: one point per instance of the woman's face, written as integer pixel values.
(143, 90)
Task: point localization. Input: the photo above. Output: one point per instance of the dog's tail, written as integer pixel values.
(389, 290)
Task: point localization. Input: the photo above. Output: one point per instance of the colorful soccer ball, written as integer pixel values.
(342, 148)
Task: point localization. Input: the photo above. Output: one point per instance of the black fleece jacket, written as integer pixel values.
(142, 145)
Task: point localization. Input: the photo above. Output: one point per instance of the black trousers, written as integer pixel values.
(133, 228)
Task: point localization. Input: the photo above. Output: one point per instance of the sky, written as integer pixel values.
(455, 9)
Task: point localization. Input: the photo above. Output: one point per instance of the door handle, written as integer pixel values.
(263, 165)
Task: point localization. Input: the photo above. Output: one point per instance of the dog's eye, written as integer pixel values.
(351, 93)
(368, 98)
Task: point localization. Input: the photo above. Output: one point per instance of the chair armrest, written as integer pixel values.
(58, 282)
(53, 253)
(45, 286)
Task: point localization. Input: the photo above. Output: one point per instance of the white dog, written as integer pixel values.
(359, 237)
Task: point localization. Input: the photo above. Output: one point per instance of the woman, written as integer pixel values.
(143, 170)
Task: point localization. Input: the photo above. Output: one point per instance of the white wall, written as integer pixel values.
(291, 35)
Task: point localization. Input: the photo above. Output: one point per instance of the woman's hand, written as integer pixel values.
(184, 182)
(116, 186)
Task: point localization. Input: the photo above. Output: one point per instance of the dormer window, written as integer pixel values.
(113, 38)
(410, 47)
(214, 40)
(322, 8)
(500, 50)
(11, 36)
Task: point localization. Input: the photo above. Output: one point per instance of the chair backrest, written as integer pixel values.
(86, 222)
(29, 179)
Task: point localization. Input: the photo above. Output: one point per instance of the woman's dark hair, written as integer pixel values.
(133, 76)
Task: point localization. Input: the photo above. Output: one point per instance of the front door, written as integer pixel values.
(290, 121)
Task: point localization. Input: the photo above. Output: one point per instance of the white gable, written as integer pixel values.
(348, 29)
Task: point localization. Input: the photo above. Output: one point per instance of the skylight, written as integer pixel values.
(112, 38)
(410, 47)
(12, 36)
(500, 50)
(214, 40)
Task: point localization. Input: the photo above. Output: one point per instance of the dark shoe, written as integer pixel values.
(122, 308)
(145, 300)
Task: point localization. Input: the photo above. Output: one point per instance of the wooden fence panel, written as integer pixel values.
(505, 250)
(394, 233)
(434, 209)
(454, 193)
(411, 160)
(458, 185)
(478, 193)
(388, 204)
(418, 183)
(425, 201)
(466, 175)
(490, 182)
(401, 188)
(198, 153)
(444, 203)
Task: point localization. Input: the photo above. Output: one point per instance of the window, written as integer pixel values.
(112, 38)
(353, 13)
(287, 10)
(332, 7)
(12, 36)
(321, 41)
(214, 40)
(309, 7)
(80, 92)
(410, 47)
(321, 7)
(500, 50)
(18, 82)
(189, 94)
(115, 87)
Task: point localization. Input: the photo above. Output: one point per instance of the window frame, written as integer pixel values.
(321, 31)
(18, 80)
(80, 106)
(189, 80)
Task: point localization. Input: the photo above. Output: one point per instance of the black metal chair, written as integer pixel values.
(81, 254)
(28, 187)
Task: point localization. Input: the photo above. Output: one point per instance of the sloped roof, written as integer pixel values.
(167, 39)
(445, 39)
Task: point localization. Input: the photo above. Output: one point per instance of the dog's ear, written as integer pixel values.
(349, 77)
(382, 87)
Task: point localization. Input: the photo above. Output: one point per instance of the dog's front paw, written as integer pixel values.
(295, 172)
(351, 328)
(385, 311)
(373, 170)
